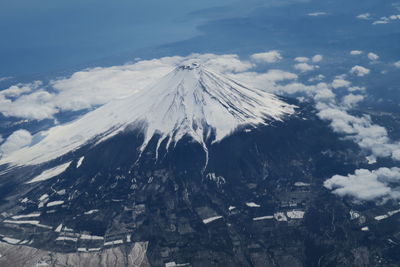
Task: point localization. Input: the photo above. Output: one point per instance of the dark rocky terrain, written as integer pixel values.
(259, 201)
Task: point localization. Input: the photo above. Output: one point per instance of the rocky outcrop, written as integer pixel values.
(24, 256)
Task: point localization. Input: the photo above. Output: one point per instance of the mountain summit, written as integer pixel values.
(189, 101)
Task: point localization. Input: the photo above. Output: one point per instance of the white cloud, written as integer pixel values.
(19, 89)
(340, 83)
(397, 64)
(304, 67)
(365, 185)
(16, 141)
(364, 16)
(396, 153)
(351, 100)
(317, 58)
(317, 78)
(97, 86)
(356, 89)
(359, 71)
(5, 78)
(324, 94)
(386, 20)
(267, 57)
(356, 52)
(301, 59)
(279, 75)
(317, 14)
(373, 56)
(222, 63)
(378, 22)
(369, 136)
(37, 105)
(264, 81)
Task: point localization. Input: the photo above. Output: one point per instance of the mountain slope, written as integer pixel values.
(191, 100)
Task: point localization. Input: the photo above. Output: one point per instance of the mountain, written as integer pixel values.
(196, 170)
(190, 101)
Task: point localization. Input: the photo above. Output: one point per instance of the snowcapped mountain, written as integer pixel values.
(196, 170)
(190, 101)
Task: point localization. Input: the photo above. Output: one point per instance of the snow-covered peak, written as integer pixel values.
(189, 66)
(190, 100)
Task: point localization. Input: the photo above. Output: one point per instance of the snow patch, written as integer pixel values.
(174, 264)
(16, 217)
(59, 228)
(91, 237)
(79, 163)
(61, 192)
(387, 215)
(67, 238)
(50, 173)
(55, 203)
(208, 220)
(280, 217)
(43, 197)
(11, 240)
(295, 214)
(115, 242)
(301, 184)
(252, 205)
(31, 222)
(381, 217)
(354, 215)
(263, 218)
(90, 212)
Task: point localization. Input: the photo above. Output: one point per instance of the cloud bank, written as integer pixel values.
(365, 185)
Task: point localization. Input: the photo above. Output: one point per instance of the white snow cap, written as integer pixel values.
(190, 100)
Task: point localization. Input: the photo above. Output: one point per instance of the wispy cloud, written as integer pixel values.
(317, 14)
(267, 57)
(364, 16)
